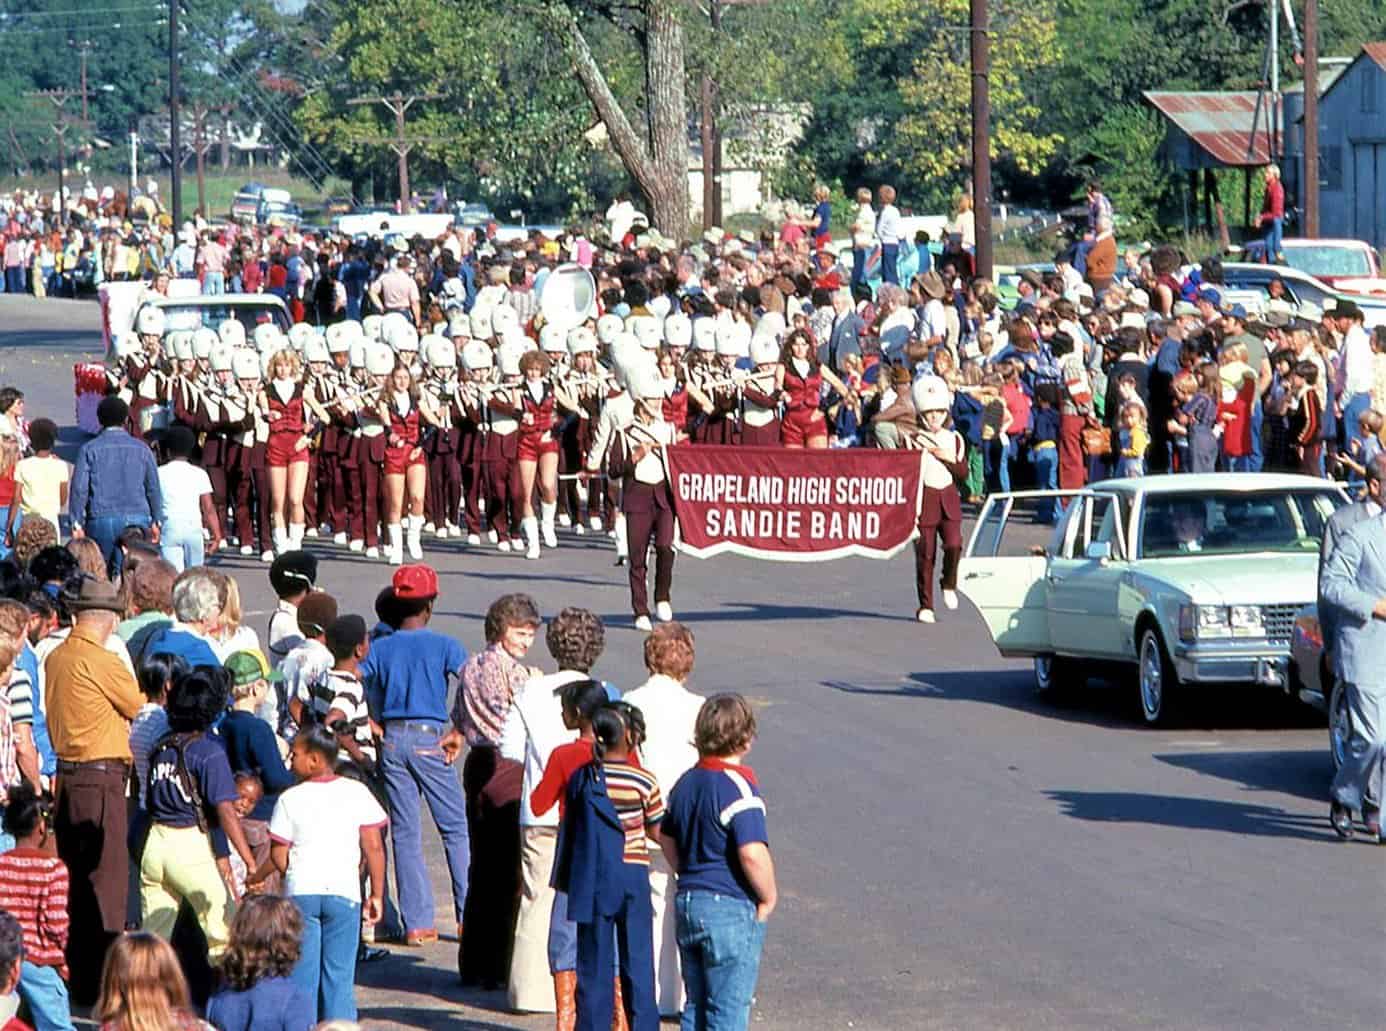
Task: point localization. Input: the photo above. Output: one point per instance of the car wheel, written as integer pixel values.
(1055, 677)
(1156, 680)
(1339, 725)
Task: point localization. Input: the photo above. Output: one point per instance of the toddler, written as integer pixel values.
(1135, 438)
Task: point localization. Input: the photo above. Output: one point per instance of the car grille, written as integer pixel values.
(1279, 621)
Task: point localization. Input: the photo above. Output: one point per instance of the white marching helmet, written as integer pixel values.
(626, 356)
(705, 335)
(931, 394)
(370, 325)
(403, 337)
(341, 335)
(180, 345)
(504, 318)
(380, 360)
(268, 338)
(220, 358)
(678, 330)
(734, 339)
(772, 324)
(480, 320)
(232, 333)
(438, 351)
(647, 330)
(299, 335)
(552, 339)
(315, 350)
(476, 355)
(357, 354)
(659, 306)
(764, 349)
(508, 356)
(581, 340)
(608, 326)
(644, 382)
(204, 342)
(246, 365)
(150, 321)
(459, 325)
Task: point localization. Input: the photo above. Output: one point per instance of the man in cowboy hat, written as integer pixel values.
(90, 698)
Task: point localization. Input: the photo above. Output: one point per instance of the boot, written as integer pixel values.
(415, 525)
(950, 577)
(279, 540)
(622, 548)
(396, 549)
(529, 526)
(547, 510)
(565, 1000)
(296, 536)
(618, 1011)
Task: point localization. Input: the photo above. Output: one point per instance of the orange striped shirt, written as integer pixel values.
(635, 794)
(33, 887)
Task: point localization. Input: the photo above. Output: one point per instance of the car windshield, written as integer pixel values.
(1234, 522)
(193, 317)
(1329, 261)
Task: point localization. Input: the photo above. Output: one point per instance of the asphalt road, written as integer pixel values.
(952, 852)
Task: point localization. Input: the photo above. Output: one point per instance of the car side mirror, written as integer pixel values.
(1100, 551)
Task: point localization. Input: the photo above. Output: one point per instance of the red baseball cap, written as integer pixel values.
(415, 583)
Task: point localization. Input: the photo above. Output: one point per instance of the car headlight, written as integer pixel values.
(1246, 621)
(1202, 622)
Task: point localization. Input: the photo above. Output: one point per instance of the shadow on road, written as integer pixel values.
(418, 1016)
(1302, 773)
(1191, 813)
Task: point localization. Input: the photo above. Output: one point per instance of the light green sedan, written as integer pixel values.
(1185, 579)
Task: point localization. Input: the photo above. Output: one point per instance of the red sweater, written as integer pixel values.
(564, 761)
(33, 886)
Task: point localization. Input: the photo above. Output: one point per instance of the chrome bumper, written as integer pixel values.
(1265, 666)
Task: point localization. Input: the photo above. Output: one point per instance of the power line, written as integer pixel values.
(77, 12)
(128, 26)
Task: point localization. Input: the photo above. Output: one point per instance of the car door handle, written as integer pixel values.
(977, 576)
(1054, 579)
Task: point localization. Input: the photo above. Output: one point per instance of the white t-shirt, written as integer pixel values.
(321, 821)
(182, 485)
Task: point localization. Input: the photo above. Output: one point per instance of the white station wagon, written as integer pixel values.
(1188, 579)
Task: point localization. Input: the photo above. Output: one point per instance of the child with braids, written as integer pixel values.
(34, 887)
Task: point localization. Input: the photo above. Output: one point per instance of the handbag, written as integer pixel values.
(1097, 441)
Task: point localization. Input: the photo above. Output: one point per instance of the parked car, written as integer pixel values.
(474, 216)
(1312, 681)
(337, 206)
(278, 209)
(1348, 265)
(1248, 282)
(245, 205)
(184, 311)
(1186, 580)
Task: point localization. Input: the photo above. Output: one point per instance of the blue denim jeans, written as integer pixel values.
(629, 935)
(890, 263)
(326, 968)
(214, 283)
(413, 766)
(1258, 458)
(181, 544)
(1353, 407)
(5, 549)
(1046, 461)
(106, 531)
(1275, 233)
(996, 460)
(45, 993)
(562, 936)
(719, 945)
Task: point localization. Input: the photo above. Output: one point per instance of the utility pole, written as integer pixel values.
(711, 137)
(175, 135)
(201, 144)
(83, 48)
(60, 126)
(1311, 119)
(981, 139)
(401, 144)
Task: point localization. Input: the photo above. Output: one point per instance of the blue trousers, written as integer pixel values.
(214, 283)
(181, 544)
(14, 279)
(5, 549)
(1046, 461)
(633, 940)
(1258, 458)
(720, 941)
(413, 767)
(326, 968)
(996, 460)
(45, 993)
(1353, 407)
(859, 255)
(1275, 233)
(106, 531)
(890, 263)
(562, 936)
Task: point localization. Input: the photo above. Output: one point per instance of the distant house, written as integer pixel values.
(1352, 150)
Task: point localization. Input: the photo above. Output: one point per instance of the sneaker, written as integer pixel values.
(1340, 816)
(579, 529)
(493, 537)
(664, 612)
(311, 533)
(611, 534)
(595, 522)
(950, 599)
(550, 537)
(442, 532)
(925, 616)
(532, 552)
(372, 552)
(339, 538)
(503, 545)
(357, 545)
(370, 953)
(565, 520)
(643, 623)
(429, 527)
(474, 539)
(266, 556)
(454, 530)
(246, 549)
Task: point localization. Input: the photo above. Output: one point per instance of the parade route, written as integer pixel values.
(952, 851)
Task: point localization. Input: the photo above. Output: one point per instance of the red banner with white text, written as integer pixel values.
(794, 505)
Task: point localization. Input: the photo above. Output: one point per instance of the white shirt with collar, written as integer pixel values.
(670, 711)
(533, 729)
(1357, 362)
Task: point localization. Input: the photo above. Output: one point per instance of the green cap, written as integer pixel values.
(249, 666)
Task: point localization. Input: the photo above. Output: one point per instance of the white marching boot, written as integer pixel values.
(396, 549)
(529, 526)
(546, 511)
(296, 531)
(622, 547)
(415, 532)
(279, 540)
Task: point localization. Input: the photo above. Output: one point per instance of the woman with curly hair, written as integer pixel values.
(31, 538)
(258, 995)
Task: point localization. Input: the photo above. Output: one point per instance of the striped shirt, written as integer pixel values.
(33, 886)
(341, 689)
(145, 731)
(635, 794)
(21, 692)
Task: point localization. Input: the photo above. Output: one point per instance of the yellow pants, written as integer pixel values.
(178, 866)
(531, 985)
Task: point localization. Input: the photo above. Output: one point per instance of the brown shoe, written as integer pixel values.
(423, 936)
(618, 1011)
(565, 1000)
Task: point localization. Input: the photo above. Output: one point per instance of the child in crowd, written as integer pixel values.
(258, 993)
(249, 793)
(186, 491)
(1044, 445)
(1236, 395)
(845, 413)
(142, 987)
(967, 420)
(603, 863)
(321, 830)
(1276, 410)
(1306, 422)
(34, 887)
(1134, 439)
(1364, 448)
(41, 480)
(996, 428)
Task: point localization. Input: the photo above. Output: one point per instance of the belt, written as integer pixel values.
(427, 727)
(96, 765)
(1042, 445)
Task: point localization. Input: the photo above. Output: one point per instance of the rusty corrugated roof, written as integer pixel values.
(1220, 123)
(1377, 52)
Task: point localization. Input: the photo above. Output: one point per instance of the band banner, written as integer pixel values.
(794, 505)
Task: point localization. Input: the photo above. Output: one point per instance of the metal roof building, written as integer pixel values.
(1215, 129)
